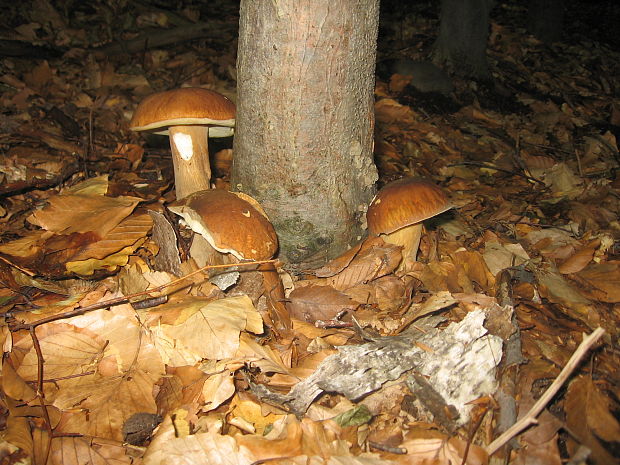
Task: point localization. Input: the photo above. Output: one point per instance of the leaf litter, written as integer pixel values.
(110, 358)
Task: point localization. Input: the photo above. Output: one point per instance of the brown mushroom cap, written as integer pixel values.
(230, 224)
(405, 202)
(183, 107)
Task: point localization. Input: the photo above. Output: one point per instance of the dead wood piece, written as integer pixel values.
(358, 370)
(513, 358)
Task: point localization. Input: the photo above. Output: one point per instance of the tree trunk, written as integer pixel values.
(304, 137)
(462, 40)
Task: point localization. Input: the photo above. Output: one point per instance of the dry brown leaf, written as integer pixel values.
(487, 117)
(26, 247)
(375, 259)
(499, 256)
(18, 433)
(260, 355)
(132, 152)
(290, 437)
(313, 303)
(252, 412)
(80, 451)
(39, 78)
(474, 267)
(219, 385)
(540, 440)
(563, 182)
(364, 459)
(592, 216)
(554, 287)
(97, 186)
(208, 330)
(398, 82)
(546, 452)
(108, 400)
(127, 341)
(580, 259)
(66, 352)
(181, 386)
(441, 300)
(389, 111)
(601, 281)
(548, 241)
(339, 263)
(590, 420)
(14, 385)
(387, 151)
(440, 451)
(27, 162)
(88, 370)
(40, 439)
(114, 249)
(438, 276)
(110, 78)
(537, 162)
(66, 214)
(169, 448)
(386, 294)
(333, 337)
(54, 141)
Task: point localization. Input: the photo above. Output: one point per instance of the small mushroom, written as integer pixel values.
(189, 116)
(397, 211)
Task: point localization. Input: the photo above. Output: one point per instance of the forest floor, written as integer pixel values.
(110, 358)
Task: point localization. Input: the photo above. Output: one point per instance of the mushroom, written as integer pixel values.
(397, 211)
(235, 223)
(189, 116)
(230, 223)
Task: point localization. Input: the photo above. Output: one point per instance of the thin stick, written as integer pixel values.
(530, 416)
(122, 300)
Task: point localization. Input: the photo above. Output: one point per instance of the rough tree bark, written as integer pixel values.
(304, 136)
(462, 40)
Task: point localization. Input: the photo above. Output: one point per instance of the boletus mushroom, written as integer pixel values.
(235, 224)
(189, 116)
(230, 223)
(398, 210)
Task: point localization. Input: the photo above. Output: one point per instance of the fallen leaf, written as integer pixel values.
(313, 303)
(210, 330)
(66, 214)
(580, 259)
(600, 281)
(590, 420)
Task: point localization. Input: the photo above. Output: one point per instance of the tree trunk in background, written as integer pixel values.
(462, 40)
(305, 119)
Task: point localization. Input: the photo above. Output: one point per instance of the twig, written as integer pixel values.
(122, 300)
(530, 416)
(579, 163)
(40, 394)
(386, 448)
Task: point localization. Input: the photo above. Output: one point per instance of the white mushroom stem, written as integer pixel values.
(190, 157)
(409, 238)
